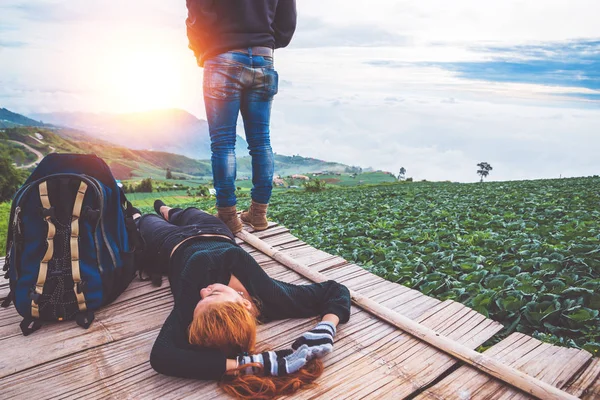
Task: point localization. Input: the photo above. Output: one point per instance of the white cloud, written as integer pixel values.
(465, 20)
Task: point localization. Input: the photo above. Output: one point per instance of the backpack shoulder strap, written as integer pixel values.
(74, 243)
(47, 213)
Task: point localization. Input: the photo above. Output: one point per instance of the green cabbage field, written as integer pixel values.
(525, 253)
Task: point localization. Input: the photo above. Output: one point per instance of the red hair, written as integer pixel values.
(231, 328)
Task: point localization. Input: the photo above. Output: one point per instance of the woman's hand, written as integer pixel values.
(318, 340)
(276, 363)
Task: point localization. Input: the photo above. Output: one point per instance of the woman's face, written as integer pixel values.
(218, 293)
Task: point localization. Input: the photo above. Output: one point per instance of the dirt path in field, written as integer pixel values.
(52, 149)
(34, 151)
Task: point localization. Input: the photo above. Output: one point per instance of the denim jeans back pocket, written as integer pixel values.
(222, 81)
(271, 81)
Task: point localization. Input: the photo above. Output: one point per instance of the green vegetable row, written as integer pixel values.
(526, 254)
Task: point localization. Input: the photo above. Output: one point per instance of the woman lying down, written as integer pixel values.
(220, 295)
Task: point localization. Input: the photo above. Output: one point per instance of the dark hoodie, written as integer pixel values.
(217, 26)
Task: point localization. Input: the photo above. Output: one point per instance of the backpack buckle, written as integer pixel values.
(7, 257)
(81, 287)
(90, 214)
(156, 279)
(7, 300)
(47, 212)
(34, 296)
(84, 319)
(30, 325)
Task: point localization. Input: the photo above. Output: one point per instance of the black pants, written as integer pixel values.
(160, 237)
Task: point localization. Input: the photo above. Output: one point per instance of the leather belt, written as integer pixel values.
(256, 51)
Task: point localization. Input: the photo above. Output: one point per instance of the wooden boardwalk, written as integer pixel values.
(371, 359)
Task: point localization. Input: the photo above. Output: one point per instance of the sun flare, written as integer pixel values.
(142, 80)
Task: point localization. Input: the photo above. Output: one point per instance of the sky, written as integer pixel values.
(429, 85)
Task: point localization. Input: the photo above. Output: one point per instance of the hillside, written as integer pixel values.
(134, 159)
(124, 162)
(9, 119)
(173, 131)
(129, 164)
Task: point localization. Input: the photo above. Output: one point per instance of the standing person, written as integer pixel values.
(220, 295)
(234, 41)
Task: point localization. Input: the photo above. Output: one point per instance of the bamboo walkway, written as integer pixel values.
(371, 359)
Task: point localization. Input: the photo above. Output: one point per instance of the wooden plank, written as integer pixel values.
(273, 229)
(364, 279)
(347, 274)
(463, 382)
(306, 255)
(113, 368)
(81, 369)
(380, 358)
(587, 382)
(158, 386)
(373, 343)
(344, 270)
(114, 322)
(331, 264)
(374, 291)
(282, 239)
(397, 296)
(414, 307)
(10, 319)
(593, 391)
(551, 364)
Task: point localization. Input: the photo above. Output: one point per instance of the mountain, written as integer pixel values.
(128, 163)
(9, 119)
(291, 165)
(131, 164)
(125, 163)
(173, 130)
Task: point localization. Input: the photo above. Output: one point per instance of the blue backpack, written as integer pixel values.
(69, 248)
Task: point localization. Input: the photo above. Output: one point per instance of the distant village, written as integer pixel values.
(290, 181)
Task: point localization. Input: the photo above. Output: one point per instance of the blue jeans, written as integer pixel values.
(235, 82)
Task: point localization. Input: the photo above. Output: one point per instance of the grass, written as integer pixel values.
(367, 178)
(4, 216)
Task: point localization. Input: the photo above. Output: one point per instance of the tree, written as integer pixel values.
(203, 191)
(402, 173)
(315, 185)
(145, 186)
(353, 170)
(10, 177)
(484, 170)
(169, 174)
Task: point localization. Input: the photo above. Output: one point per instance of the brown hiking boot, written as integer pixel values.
(256, 216)
(229, 216)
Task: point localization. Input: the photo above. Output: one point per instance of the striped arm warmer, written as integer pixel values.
(319, 340)
(276, 363)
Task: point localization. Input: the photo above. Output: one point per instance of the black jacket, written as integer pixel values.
(217, 26)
